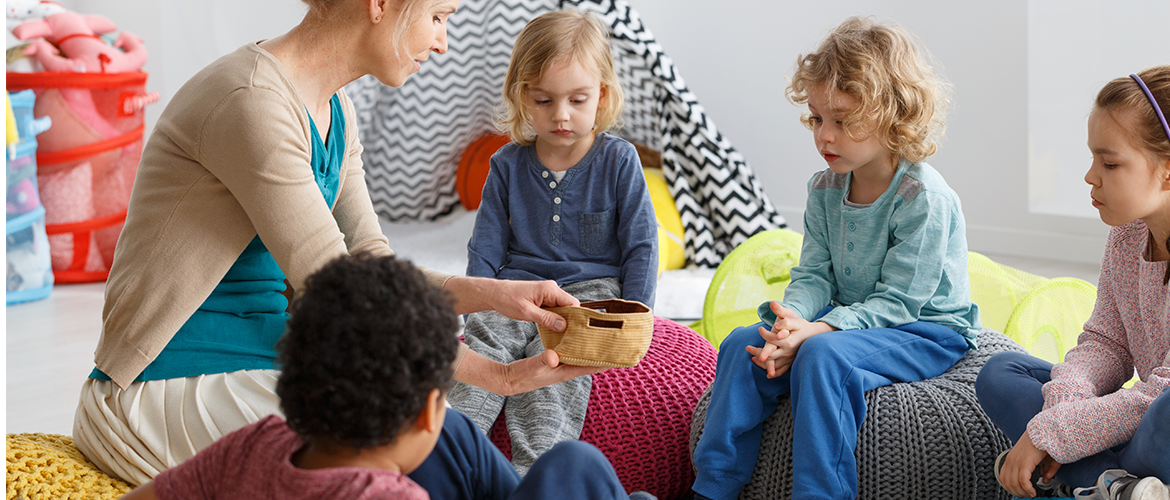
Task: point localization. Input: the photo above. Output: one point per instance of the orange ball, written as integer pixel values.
(471, 174)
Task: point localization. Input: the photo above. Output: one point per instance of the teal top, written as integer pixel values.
(238, 325)
(900, 259)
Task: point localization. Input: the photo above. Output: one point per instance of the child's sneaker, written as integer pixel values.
(1116, 484)
(1053, 488)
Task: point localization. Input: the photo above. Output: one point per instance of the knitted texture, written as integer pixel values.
(612, 333)
(49, 466)
(927, 439)
(640, 417)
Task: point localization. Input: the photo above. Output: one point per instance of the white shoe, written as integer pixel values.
(1117, 484)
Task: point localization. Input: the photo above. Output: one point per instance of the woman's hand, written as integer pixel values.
(539, 371)
(518, 376)
(520, 300)
(1016, 473)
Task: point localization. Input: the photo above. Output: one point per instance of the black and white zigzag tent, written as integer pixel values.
(414, 135)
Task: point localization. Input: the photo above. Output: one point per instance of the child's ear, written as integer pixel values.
(1164, 174)
(431, 418)
(602, 95)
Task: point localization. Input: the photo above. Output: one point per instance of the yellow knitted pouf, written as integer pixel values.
(49, 466)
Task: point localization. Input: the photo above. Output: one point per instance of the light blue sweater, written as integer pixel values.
(901, 259)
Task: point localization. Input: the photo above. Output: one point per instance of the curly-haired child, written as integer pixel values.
(367, 361)
(1073, 424)
(564, 201)
(881, 292)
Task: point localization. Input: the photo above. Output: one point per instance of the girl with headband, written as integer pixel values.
(1073, 424)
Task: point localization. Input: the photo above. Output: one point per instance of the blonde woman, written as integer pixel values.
(253, 179)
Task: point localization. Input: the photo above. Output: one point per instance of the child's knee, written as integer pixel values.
(583, 456)
(1159, 415)
(819, 354)
(988, 382)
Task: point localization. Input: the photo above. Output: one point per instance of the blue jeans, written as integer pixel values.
(465, 465)
(827, 383)
(1008, 389)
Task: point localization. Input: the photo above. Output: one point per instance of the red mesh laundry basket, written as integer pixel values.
(86, 163)
(640, 417)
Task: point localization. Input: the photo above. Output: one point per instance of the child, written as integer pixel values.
(367, 360)
(566, 202)
(1074, 421)
(881, 293)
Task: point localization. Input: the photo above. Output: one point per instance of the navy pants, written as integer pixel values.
(827, 383)
(465, 465)
(1008, 389)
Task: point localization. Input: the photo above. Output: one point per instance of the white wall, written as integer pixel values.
(182, 37)
(735, 55)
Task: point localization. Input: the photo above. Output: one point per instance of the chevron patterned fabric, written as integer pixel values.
(414, 134)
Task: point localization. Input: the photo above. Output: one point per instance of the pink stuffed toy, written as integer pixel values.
(76, 36)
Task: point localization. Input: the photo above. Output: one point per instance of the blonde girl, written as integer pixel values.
(1073, 424)
(565, 201)
(881, 292)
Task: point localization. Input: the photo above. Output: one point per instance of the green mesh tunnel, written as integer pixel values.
(1051, 316)
(755, 271)
(998, 289)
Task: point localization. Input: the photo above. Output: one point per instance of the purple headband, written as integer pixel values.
(1150, 96)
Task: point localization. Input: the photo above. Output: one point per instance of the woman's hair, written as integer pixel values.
(899, 96)
(562, 35)
(408, 11)
(1124, 95)
(366, 344)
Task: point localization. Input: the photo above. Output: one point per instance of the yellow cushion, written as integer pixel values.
(670, 229)
(49, 466)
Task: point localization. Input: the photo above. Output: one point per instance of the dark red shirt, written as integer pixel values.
(255, 462)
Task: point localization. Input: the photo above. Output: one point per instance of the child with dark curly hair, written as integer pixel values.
(367, 362)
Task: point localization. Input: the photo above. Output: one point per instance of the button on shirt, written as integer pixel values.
(595, 222)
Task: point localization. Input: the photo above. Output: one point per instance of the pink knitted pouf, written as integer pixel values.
(640, 417)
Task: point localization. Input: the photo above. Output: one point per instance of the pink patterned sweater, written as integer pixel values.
(1085, 408)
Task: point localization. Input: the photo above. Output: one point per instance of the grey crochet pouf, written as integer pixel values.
(921, 440)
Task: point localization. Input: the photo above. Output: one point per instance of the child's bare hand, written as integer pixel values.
(784, 339)
(1021, 461)
(780, 347)
(775, 359)
(787, 320)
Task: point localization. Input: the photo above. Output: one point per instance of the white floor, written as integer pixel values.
(50, 342)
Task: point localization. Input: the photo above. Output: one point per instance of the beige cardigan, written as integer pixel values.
(228, 159)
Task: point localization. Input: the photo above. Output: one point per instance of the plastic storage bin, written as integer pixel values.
(29, 273)
(86, 163)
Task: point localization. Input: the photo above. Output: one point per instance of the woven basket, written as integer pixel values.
(611, 333)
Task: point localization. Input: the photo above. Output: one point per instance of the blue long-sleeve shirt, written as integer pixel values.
(596, 222)
(901, 259)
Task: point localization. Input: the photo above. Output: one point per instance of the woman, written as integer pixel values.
(251, 181)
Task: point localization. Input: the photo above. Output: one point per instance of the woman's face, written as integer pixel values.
(425, 33)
